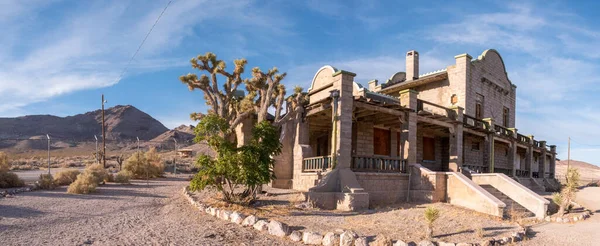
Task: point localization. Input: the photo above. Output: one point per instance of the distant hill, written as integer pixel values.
(587, 171)
(578, 164)
(122, 123)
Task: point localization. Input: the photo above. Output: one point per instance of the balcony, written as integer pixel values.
(316, 164)
(378, 164)
(473, 122)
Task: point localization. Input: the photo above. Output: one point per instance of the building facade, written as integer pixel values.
(432, 137)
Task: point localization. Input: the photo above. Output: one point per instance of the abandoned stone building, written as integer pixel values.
(447, 135)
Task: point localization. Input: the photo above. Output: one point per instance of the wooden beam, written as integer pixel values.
(365, 114)
(434, 121)
(473, 132)
(378, 108)
(317, 110)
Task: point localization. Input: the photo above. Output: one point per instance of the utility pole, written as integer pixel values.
(103, 135)
(48, 136)
(138, 144)
(97, 157)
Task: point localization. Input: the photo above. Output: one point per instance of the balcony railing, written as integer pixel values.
(503, 131)
(474, 122)
(506, 171)
(378, 164)
(432, 108)
(537, 144)
(522, 173)
(316, 164)
(535, 175)
(522, 138)
(477, 169)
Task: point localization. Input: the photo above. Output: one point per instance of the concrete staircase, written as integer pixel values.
(512, 207)
(531, 184)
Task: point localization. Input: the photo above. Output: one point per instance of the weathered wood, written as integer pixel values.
(378, 108)
(421, 118)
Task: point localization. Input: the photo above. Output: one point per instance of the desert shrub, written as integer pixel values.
(249, 166)
(480, 232)
(142, 165)
(4, 165)
(84, 184)
(100, 174)
(45, 182)
(123, 177)
(569, 190)
(431, 215)
(66, 177)
(10, 180)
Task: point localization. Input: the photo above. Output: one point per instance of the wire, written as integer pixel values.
(141, 44)
(591, 145)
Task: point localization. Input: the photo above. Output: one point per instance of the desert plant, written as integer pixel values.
(480, 232)
(98, 172)
(145, 165)
(431, 215)
(84, 184)
(4, 165)
(10, 180)
(569, 190)
(66, 177)
(46, 182)
(123, 177)
(120, 160)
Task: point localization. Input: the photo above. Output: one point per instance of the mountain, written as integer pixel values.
(122, 123)
(588, 172)
(184, 135)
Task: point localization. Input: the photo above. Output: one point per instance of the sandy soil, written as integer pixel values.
(401, 222)
(581, 233)
(118, 215)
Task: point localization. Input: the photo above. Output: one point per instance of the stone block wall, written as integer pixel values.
(437, 164)
(364, 138)
(384, 188)
(438, 92)
(501, 155)
(473, 156)
(305, 181)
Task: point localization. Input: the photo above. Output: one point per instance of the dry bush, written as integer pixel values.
(66, 177)
(10, 180)
(142, 165)
(46, 182)
(4, 165)
(123, 177)
(84, 184)
(100, 174)
(480, 232)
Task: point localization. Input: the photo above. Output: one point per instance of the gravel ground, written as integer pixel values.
(581, 233)
(118, 215)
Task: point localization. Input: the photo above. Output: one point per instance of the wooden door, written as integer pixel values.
(428, 149)
(381, 142)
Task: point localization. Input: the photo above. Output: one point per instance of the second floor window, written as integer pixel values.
(479, 107)
(505, 116)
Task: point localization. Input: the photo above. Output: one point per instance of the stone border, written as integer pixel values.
(575, 218)
(10, 193)
(339, 237)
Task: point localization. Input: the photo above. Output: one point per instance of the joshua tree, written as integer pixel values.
(431, 215)
(120, 160)
(568, 192)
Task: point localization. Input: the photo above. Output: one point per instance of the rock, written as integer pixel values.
(296, 236)
(304, 205)
(381, 240)
(224, 215)
(463, 244)
(516, 237)
(261, 225)
(559, 220)
(445, 244)
(400, 243)
(312, 238)
(331, 239)
(236, 217)
(486, 243)
(361, 241)
(426, 243)
(249, 221)
(347, 238)
(277, 228)
(575, 219)
(214, 211)
(547, 218)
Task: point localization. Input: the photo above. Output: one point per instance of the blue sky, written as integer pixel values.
(57, 57)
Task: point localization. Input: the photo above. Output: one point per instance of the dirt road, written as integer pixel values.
(118, 215)
(581, 233)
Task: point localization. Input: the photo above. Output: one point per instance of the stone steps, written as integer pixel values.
(532, 185)
(512, 207)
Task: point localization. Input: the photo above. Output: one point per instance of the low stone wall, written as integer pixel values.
(305, 181)
(384, 188)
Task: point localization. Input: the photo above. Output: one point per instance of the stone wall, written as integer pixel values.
(473, 156)
(501, 155)
(364, 138)
(438, 92)
(384, 188)
(437, 164)
(305, 181)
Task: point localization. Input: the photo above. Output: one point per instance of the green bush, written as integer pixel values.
(123, 177)
(431, 215)
(10, 180)
(84, 184)
(143, 165)
(66, 177)
(46, 182)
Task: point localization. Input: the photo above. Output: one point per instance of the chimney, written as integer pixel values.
(412, 65)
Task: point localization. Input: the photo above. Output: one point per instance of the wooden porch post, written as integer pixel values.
(529, 157)
(542, 162)
(553, 161)
(456, 142)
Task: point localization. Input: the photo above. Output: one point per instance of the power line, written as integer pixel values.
(143, 41)
(590, 145)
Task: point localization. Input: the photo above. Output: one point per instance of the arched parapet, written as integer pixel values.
(323, 77)
(397, 78)
(494, 65)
